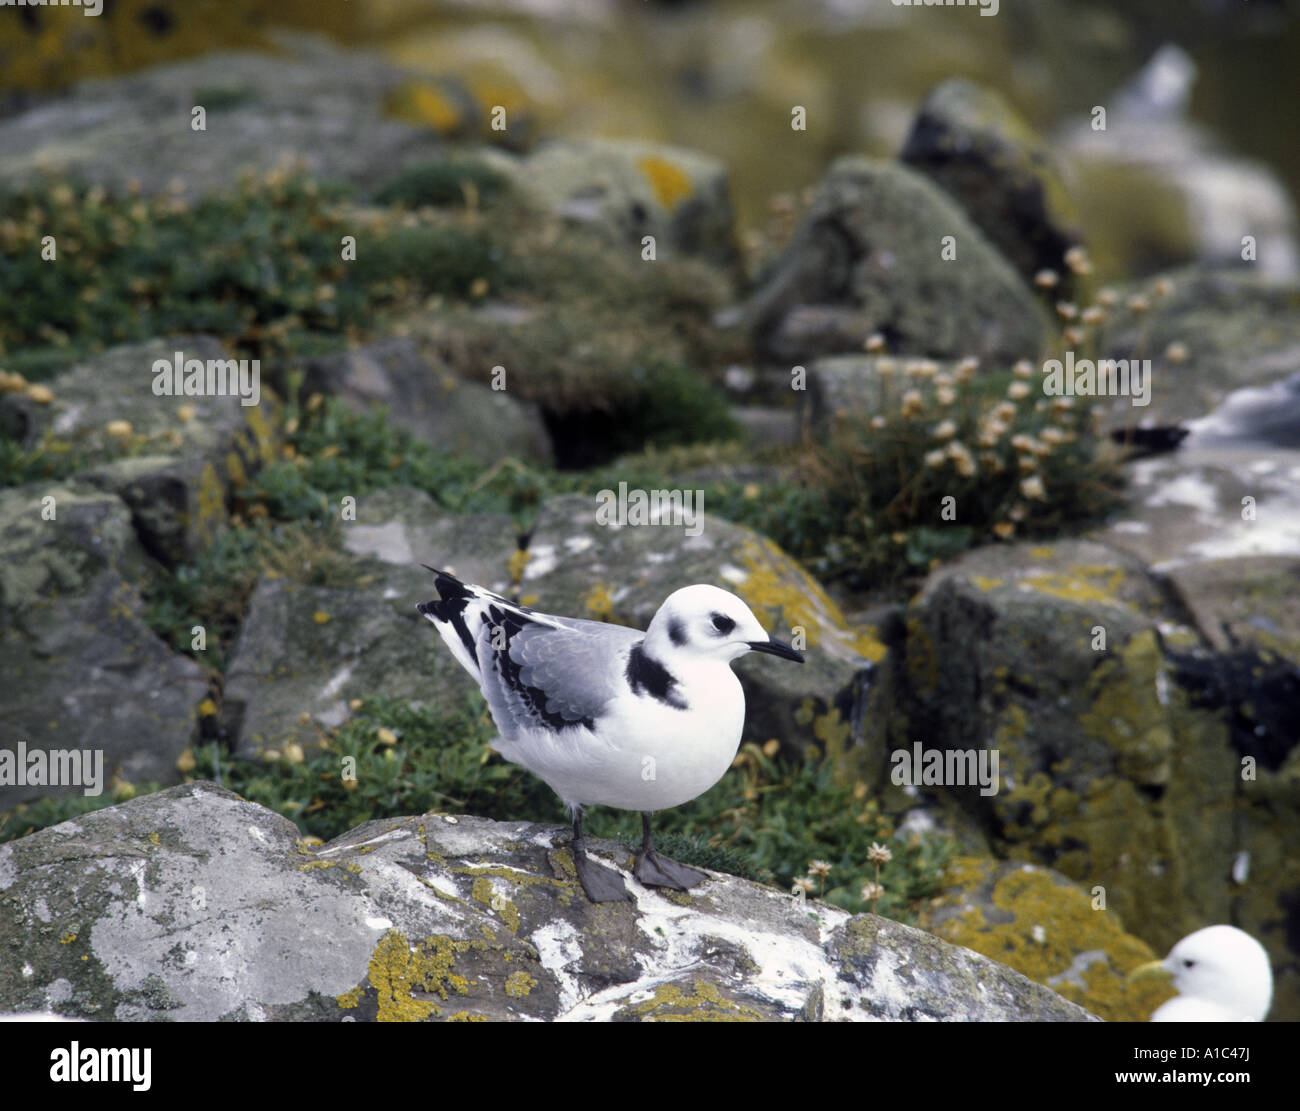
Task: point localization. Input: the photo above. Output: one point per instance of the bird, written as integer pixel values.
(1222, 975)
(607, 715)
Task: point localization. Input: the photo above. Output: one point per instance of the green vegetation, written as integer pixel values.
(444, 181)
(766, 820)
(261, 267)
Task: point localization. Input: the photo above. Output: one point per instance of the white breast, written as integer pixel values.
(645, 754)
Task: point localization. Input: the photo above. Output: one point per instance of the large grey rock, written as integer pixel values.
(79, 667)
(1123, 761)
(1211, 333)
(975, 146)
(195, 905)
(311, 104)
(867, 258)
(629, 189)
(306, 651)
(452, 414)
(579, 567)
(1158, 190)
(181, 458)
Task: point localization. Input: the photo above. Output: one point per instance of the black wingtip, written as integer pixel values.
(448, 586)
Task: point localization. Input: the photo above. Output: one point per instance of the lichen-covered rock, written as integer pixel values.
(305, 652)
(454, 415)
(627, 189)
(974, 145)
(1048, 928)
(580, 567)
(308, 103)
(194, 905)
(1211, 333)
(869, 257)
(174, 460)
(79, 667)
(1132, 755)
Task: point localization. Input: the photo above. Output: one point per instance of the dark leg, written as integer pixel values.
(602, 884)
(654, 870)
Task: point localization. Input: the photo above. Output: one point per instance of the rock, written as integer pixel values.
(454, 415)
(1122, 765)
(188, 455)
(578, 567)
(627, 190)
(767, 425)
(1000, 653)
(1190, 506)
(844, 387)
(867, 259)
(310, 104)
(80, 668)
(1049, 929)
(1213, 332)
(971, 143)
(1157, 190)
(194, 905)
(305, 651)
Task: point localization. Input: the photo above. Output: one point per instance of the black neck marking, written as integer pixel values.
(650, 674)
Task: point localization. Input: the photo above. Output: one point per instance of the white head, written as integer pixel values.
(1224, 966)
(704, 621)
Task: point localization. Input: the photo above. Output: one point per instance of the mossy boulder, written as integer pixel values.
(1209, 333)
(307, 103)
(194, 905)
(970, 141)
(1049, 929)
(80, 667)
(306, 650)
(869, 257)
(176, 461)
(1110, 773)
(625, 190)
(430, 402)
(580, 567)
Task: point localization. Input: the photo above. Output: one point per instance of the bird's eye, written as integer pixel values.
(1188, 964)
(723, 623)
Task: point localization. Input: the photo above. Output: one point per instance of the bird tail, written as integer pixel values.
(450, 612)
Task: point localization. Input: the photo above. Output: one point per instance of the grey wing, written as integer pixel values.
(555, 675)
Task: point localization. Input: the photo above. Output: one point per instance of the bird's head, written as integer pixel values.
(705, 621)
(1222, 966)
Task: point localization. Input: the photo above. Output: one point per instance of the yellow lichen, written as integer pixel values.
(670, 184)
(398, 972)
(704, 1004)
(519, 984)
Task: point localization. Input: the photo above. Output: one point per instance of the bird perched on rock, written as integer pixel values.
(1222, 975)
(606, 715)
